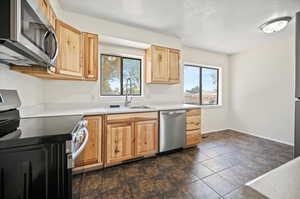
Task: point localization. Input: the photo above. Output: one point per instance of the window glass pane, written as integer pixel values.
(111, 75)
(209, 86)
(132, 70)
(191, 84)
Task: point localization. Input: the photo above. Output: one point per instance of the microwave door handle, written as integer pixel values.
(52, 59)
(80, 149)
(44, 39)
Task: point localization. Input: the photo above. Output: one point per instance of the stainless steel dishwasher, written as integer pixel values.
(172, 130)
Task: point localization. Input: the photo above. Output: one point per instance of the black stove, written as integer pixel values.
(37, 154)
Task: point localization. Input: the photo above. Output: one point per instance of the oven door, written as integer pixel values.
(30, 27)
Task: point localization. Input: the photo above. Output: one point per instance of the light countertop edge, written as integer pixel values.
(61, 111)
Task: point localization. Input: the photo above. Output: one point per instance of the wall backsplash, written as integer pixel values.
(30, 89)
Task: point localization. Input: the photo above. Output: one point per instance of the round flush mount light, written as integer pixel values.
(275, 25)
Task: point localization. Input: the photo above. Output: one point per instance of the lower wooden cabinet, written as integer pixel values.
(119, 146)
(130, 136)
(193, 137)
(193, 127)
(146, 137)
(92, 153)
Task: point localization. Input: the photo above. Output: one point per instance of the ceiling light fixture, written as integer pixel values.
(275, 25)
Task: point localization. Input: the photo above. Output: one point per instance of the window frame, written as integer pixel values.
(121, 76)
(200, 82)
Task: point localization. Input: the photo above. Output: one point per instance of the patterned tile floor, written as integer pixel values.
(216, 168)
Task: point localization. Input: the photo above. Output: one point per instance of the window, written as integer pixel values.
(115, 70)
(201, 85)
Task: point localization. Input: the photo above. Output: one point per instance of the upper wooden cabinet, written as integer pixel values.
(48, 11)
(92, 153)
(69, 61)
(174, 66)
(162, 65)
(52, 17)
(90, 51)
(44, 4)
(157, 65)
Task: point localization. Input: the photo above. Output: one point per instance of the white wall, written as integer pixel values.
(262, 90)
(214, 118)
(30, 89)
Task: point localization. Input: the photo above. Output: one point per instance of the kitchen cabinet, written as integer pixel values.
(47, 11)
(52, 17)
(35, 171)
(119, 146)
(90, 56)
(146, 137)
(69, 60)
(193, 127)
(162, 65)
(91, 156)
(174, 66)
(44, 5)
(130, 136)
(157, 65)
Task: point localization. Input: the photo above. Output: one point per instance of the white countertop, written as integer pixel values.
(47, 110)
(282, 182)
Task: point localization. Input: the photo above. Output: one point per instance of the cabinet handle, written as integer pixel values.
(117, 150)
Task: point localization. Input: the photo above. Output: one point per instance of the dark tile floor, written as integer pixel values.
(216, 168)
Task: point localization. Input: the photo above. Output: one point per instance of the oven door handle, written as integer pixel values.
(80, 149)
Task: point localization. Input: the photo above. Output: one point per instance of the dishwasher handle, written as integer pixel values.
(173, 112)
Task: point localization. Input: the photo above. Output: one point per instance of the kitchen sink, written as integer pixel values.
(140, 107)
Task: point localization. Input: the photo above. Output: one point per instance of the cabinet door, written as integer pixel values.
(91, 62)
(52, 17)
(120, 142)
(193, 137)
(69, 61)
(193, 122)
(92, 152)
(160, 68)
(174, 66)
(44, 6)
(146, 137)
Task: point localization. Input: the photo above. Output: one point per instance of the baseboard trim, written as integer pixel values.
(214, 131)
(259, 136)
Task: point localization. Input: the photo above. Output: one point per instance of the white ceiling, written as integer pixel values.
(227, 26)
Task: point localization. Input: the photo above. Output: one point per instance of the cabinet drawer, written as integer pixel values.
(193, 137)
(131, 117)
(193, 122)
(193, 112)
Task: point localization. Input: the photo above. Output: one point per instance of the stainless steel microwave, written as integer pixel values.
(26, 36)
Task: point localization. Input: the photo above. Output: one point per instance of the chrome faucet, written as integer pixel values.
(127, 100)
